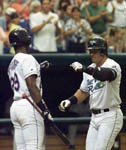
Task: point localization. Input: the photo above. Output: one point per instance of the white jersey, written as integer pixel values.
(103, 94)
(119, 13)
(45, 38)
(21, 67)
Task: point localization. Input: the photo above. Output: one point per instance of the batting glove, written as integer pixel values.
(48, 116)
(77, 66)
(48, 119)
(64, 104)
(45, 64)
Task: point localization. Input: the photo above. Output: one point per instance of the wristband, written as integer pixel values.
(73, 99)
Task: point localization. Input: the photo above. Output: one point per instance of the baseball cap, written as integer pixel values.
(14, 15)
(9, 11)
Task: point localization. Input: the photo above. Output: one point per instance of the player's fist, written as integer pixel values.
(64, 104)
(77, 66)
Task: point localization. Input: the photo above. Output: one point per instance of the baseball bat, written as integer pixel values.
(52, 126)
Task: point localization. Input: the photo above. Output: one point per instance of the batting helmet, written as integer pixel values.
(19, 37)
(98, 44)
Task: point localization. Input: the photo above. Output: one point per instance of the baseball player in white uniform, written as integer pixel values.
(101, 82)
(24, 76)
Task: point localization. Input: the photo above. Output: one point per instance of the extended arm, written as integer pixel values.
(99, 73)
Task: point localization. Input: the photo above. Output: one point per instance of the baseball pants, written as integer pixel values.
(103, 129)
(29, 130)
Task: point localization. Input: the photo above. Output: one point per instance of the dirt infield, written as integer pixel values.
(54, 143)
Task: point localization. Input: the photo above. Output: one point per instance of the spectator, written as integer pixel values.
(83, 4)
(118, 7)
(97, 16)
(65, 15)
(103, 2)
(62, 5)
(77, 32)
(115, 41)
(8, 13)
(14, 23)
(76, 3)
(44, 25)
(2, 19)
(119, 13)
(3, 40)
(35, 7)
(21, 8)
(52, 5)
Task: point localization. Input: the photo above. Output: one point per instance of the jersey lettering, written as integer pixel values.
(97, 86)
(14, 82)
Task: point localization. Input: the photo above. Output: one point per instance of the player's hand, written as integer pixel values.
(45, 64)
(48, 119)
(48, 115)
(77, 66)
(64, 104)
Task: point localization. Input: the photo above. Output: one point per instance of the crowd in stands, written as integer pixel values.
(64, 25)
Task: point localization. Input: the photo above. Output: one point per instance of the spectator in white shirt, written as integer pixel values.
(44, 26)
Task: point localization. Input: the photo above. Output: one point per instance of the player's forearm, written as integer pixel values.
(35, 94)
(80, 95)
(102, 74)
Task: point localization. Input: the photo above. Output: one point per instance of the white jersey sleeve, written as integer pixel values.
(29, 67)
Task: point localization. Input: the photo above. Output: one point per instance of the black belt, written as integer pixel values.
(98, 111)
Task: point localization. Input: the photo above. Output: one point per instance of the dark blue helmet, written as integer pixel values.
(98, 44)
(19, 37)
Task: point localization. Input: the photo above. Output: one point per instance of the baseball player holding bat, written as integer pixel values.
(101, 82)
(24, 76)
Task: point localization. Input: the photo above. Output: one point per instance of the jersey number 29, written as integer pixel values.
(14, 82)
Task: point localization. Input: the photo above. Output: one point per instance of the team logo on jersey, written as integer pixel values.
(94, 85)
(115, 68)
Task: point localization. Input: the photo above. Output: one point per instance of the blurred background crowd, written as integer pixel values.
(64, 25)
